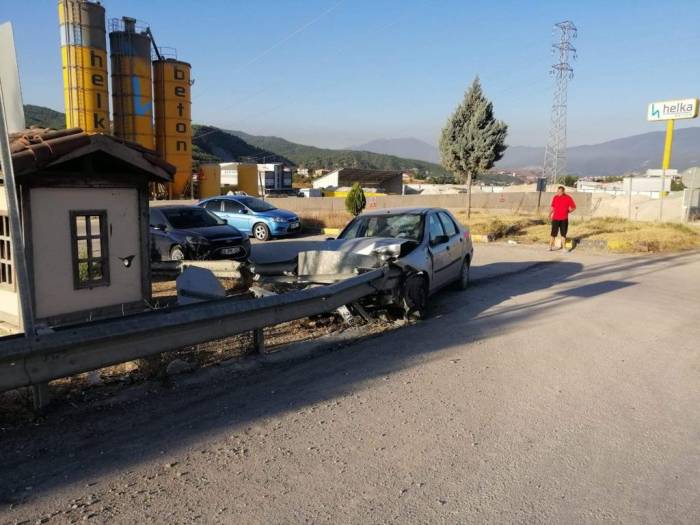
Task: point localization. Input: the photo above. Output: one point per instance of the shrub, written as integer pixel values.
(355, 202)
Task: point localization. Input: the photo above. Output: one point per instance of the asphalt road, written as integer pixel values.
(561, 388)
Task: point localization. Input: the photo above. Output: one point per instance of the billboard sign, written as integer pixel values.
(673, 109)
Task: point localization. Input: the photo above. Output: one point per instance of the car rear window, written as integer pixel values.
(191, 218)
(448, 224)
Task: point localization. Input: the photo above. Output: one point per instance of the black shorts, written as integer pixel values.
(560, 226)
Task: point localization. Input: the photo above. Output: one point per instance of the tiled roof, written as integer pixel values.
(35, 148)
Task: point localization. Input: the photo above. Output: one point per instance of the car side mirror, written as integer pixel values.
(160, 227)
(440, 239)
(243, 211)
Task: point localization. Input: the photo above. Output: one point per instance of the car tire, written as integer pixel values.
(415, 297)
(177, 253)
(261, 232)
(464, 279)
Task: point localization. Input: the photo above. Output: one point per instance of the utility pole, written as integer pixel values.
(555, 152)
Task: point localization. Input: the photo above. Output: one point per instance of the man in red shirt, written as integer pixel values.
(562, 205)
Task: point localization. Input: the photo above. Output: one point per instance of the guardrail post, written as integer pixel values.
(41, 396)
(259, 341)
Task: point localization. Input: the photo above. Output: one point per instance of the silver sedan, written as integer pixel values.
(429, 244)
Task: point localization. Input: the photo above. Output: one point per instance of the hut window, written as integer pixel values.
(7, 276)
(90, 248)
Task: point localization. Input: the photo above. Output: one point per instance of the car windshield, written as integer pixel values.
(191, 218)
(399, 226)
(256, 204)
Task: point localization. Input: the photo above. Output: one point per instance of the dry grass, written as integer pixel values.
(500, 225)
(624, 236)
(315, 220)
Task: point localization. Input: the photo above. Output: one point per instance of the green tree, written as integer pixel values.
(677, 185)
(472, 140)
(568, 180)
(355, 202)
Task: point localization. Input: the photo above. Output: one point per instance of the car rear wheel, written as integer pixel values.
(415, 297)
(261, 232)
(464, 275)
(177, 254)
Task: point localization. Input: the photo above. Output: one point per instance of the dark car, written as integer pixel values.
(191, 232)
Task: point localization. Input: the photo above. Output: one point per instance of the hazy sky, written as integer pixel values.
(340, 72)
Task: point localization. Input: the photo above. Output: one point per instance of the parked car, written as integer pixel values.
(253, 216)
(435, 250)
(190, 232)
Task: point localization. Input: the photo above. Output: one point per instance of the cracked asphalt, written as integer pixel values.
(560, 388)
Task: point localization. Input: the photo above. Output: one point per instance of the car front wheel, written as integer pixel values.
(261, 232)
(177, 254)
(415, 297)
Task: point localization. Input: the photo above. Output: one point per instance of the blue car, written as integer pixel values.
(254, 216)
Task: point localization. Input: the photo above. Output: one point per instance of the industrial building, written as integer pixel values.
(372, 181)
(275, 179)
(84, 202)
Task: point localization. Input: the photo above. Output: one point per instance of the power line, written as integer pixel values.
(563, 72)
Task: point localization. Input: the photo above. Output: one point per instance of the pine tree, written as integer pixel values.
(355, 201)
(472, 140)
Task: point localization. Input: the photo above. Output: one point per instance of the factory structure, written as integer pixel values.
(151, 94)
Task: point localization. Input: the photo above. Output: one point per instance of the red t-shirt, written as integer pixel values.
(561, 205)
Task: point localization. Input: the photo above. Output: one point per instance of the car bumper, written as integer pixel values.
(285, 228)
(236, 252)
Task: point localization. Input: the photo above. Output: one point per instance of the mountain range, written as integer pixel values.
(614, 157)
(409, 148)
(212, 144)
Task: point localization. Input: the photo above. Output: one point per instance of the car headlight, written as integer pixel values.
(196, 240)
(278, 219)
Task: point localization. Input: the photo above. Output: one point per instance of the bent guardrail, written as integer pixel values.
(34, 360)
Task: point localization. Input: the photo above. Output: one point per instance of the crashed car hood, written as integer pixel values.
(369, 245)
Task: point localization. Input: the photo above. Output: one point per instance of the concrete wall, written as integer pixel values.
(502, 202)
(51, 246)
(644, 208)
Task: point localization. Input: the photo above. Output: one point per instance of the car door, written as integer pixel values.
(159, 238)
(439, 249)
(236, 215)
(455, 244)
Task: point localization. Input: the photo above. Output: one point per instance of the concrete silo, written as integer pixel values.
(132, 82)
(84, 64)
(173, 111)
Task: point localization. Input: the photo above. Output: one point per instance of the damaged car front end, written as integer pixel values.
(421, 250)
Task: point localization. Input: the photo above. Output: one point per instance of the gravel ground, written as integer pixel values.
(561, 388)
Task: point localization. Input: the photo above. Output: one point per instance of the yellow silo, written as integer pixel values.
(173, 103)
(209, 180)
(132, 84)
(84, 63)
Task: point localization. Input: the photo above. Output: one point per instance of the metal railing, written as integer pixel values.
(80, 348)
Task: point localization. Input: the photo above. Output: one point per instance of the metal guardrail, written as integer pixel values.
(80, 348)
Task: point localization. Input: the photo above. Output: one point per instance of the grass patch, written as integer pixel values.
(316, 220)
(500, 226)
(624, 236)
